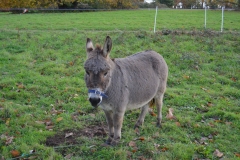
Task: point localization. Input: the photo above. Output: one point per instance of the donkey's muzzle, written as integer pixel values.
(95, 101)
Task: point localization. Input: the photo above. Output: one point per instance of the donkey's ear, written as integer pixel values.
(107, 46)
(89, 45)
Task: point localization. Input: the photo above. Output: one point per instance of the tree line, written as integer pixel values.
(70, 4)
(104, 4)
(82, 4)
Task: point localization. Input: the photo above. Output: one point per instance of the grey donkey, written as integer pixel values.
(121, 84)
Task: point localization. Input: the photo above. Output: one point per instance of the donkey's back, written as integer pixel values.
(147, 60)
(142, 75)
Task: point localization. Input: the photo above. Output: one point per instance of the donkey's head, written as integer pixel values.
(98, 73)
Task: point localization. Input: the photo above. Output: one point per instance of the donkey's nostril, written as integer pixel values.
(95, 101)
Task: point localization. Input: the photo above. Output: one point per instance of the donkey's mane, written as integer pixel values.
(98, 47)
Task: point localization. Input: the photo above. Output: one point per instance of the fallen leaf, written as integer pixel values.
(59, 119)
(141, 158)
(48, 122)
(79, 112)
(211, 124)
(203, 140)
(129, 154)
(170, 114)
(196, 125)
(53, 111)
(217, 153)
(153, 114)
(228, 123)
(68, 135)
(237, 154)
(194, 96)
(132, 144)
(9, 140)
(186, 77)
(141, 138)
(40, 122)
(156, 145)
(215, 133)
(137, 131)
(71, 63)
(233, 79)
(68, 156)
(217, 121)
(20, 86)
(164, 149)
(210, 136)
(156, 135)
(178, 124)
(15, 153)
(75, 118)
(196, 67)
(134, 149)
(75, 95)
(31, 157)
(209, 104)
(7, 121)
(206, 90)
(92, 115)
(17, 132)
(49, 127)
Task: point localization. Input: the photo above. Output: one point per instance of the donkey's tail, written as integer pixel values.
(151, 105)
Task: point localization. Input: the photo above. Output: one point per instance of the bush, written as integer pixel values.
(152, 5)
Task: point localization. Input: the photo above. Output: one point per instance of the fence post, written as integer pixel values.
(155, 19)
(222, 18)
(205, 22)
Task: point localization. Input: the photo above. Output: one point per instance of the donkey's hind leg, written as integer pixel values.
(159, 102)
(142, 116)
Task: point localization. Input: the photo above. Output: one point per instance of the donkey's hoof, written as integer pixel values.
(115, 142)
(159, 125)
(108, 141)
(136, 126)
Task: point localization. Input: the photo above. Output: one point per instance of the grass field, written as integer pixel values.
(44, 112)
(122, 20)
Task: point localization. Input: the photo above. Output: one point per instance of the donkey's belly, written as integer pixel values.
(137, 105)
(107, 107)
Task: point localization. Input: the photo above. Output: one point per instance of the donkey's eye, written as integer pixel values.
(105, 73)
(87, 73)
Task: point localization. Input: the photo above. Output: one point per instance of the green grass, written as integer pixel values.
(41, 65)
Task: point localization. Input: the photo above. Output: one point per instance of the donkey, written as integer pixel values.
(121, 84)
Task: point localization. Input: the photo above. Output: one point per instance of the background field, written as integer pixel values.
(128, 20)
(43, 95)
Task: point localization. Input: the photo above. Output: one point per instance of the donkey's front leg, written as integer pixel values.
(117, 123)
(109, 117)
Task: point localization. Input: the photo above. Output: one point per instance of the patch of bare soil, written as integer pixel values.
(70, 136)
